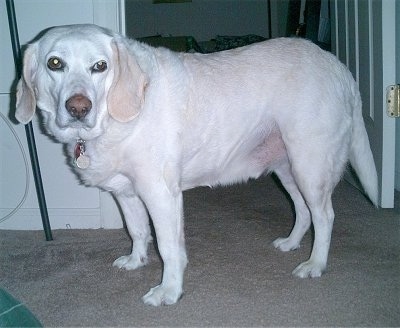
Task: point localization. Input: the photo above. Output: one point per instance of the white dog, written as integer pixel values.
(147, 123)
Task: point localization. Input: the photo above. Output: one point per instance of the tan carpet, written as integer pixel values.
(234, 277)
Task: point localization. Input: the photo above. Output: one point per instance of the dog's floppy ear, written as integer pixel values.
(26, 100)
(126, 95)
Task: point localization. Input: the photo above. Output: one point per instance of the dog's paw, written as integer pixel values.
(309, 269)
(130, 262)
(161, 295)
(285, 244)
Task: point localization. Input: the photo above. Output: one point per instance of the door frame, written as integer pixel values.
(353, 42)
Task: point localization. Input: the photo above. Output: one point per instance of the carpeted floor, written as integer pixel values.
(234, 277)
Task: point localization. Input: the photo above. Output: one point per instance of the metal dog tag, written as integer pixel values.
(82, 161)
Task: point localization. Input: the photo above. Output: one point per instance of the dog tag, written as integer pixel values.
(82, 161)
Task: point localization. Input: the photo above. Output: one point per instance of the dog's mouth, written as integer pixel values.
(68, 123)
(63, 123)
(78, 117)
(67, 129)
(64, 120)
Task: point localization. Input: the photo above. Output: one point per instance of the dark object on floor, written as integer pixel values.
(14, 314)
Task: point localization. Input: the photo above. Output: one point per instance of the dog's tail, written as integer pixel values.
(361, 158)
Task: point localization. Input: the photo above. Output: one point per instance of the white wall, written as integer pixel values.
(202, 19)
(69, 204)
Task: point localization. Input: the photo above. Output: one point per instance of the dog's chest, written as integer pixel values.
(98, 165)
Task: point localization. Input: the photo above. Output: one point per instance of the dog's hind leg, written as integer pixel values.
(317, 144)
(302, 219)
(316, 187)
(137, 222)
(322, 217)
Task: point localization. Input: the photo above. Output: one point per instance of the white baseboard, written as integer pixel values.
(30, 219)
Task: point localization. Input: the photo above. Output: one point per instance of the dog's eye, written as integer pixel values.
(100, 66)
(55, 64)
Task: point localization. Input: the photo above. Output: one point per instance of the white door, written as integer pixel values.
(364, 39)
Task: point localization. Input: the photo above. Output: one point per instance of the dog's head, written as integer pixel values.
(79, 76)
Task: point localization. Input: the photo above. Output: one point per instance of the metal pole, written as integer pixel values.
(30, 137)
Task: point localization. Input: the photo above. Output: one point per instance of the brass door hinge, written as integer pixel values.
(393, 100)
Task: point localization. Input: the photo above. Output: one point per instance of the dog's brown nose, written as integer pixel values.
(78, 106)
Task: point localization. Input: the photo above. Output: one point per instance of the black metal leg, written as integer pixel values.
(30, 137)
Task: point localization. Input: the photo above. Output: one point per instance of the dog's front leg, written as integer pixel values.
(166, 211)
(137, 222)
